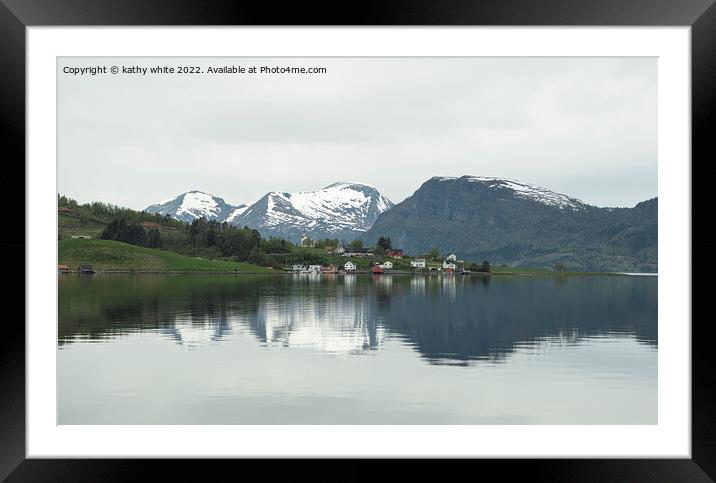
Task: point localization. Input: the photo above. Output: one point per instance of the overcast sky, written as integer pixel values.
(585, 127)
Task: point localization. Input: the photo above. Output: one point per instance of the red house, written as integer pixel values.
(394, 253)
(376, 270)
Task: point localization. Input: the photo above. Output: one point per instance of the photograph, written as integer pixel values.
(357, 240)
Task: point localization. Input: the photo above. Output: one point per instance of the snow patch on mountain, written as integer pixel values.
(236, 213)
(193, 205)
(198, 204)
(340, 209)
(524, 191)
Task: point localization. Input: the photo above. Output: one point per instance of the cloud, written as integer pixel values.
(561, 123)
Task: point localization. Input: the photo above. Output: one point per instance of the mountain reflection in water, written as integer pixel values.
(446, 319)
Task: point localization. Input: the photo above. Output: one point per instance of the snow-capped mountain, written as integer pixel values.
(522, 190)
(192, 205)
(342, 210)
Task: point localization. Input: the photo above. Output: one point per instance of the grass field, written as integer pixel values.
(114, 255)
(70, 224)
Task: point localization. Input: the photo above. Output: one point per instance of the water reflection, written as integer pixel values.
(343, 323)
(191, 331)
(446, 319)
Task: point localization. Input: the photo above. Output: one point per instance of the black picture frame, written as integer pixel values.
(16, 15)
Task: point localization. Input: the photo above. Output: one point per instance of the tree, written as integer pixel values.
(384, 243)
(327, 243)
(486, 267)
(357, 244)
(559, 267)
(434, 254)
(153, 238)
(276, 245)
(198, 232)
(118, 229)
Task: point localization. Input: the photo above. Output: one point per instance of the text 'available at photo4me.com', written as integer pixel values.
(120, 69)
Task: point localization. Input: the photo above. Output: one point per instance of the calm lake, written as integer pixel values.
(357, 349)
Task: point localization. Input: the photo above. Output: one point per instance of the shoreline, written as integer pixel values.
(357, 272)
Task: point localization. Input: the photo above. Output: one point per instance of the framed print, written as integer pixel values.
(422, 233)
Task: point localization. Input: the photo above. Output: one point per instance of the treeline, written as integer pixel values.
(131, 232)
(209, 239)
(483, 267)
(328, 243)
(101, 212)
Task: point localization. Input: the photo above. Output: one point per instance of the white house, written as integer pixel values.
(339, 249)
(451, 258)
(386, 265)
(298, 268)
(349, 267)
(314, 269)
(449, 265)
(417, 263)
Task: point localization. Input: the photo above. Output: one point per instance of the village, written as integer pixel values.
(379, 260)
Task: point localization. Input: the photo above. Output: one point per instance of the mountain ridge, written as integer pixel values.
(195, 204)
(479, 217)
(518, 224)
(341, 210)
(344, 210)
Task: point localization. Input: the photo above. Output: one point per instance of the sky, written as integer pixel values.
(584, 127)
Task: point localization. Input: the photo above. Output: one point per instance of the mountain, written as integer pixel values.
(196, 204)
(519, 224)
(341, 210)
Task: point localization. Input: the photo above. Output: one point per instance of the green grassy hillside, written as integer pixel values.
(114, 255)
(69, 224)
(83, 222)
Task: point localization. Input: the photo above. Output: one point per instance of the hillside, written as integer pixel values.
(505, 221)
(114, 255)
(69, 224)
(90, 219)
